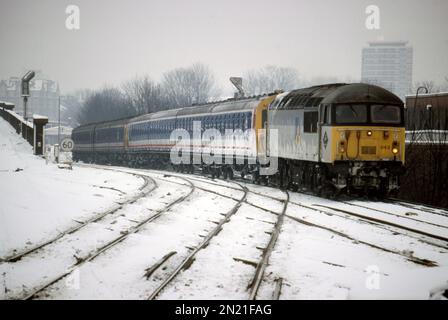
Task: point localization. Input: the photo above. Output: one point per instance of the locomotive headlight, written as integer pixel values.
(341, 146)
(395, 147)
(369, 133)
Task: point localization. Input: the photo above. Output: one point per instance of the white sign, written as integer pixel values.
(67, 145)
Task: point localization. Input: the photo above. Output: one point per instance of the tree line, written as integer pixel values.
(182, 87)
(179, 87)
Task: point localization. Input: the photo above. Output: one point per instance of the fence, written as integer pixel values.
(30, 131)
(21, 126)
(426, 177)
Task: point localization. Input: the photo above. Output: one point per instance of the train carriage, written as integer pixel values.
(83, 147)
(109, 141)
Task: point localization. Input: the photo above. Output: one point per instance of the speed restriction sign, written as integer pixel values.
(67, 145)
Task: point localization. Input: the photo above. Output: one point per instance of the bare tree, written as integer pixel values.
(444, 86)
(270, 78)
(145, 95)
(186, 86)
(106, 104)
(428, 84)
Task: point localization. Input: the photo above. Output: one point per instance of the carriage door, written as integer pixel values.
(310, 139)
(325, 134)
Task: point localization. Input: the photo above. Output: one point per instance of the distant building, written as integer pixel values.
(43, 100)
(389, 65)
(51, 134)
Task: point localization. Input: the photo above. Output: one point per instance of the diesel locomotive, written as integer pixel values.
(332, 138)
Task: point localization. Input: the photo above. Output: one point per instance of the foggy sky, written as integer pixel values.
(119, 39)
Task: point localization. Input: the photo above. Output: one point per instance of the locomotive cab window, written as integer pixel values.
(385, 114)
(310, 121)
(351, 113)
(326, 114)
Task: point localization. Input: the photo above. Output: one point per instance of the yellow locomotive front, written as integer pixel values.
(363, 142)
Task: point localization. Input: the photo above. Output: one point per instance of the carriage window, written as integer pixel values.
(351, 113)
(310, 121)
(229, 123)
(248, 120)
(385, 114)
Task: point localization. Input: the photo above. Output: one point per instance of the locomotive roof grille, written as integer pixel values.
(307, 97)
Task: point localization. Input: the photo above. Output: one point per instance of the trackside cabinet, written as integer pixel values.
(39, 123)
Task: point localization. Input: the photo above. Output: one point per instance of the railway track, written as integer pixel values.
(396, 215)
(385, 222)
(408, 204)
(419, 206)
(377, 224)
(376, 220)
(110, 244)
(188, 260)
(416, 206)
(144, 190)
(279, 280)
(416, 260)
(150, 183)
(261, 266)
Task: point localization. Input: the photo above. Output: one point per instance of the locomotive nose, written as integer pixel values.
(370, 144)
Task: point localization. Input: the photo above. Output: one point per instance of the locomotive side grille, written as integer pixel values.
(368, 150)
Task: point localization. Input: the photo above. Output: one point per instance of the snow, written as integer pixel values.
(38, 200)
(19, 117)
(321, 253)
(419, 284)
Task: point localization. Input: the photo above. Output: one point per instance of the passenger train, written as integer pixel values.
(331, 139)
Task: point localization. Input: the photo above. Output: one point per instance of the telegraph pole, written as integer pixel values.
(238, 83)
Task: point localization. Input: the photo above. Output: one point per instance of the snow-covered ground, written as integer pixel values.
(39, 200)
(190, 237)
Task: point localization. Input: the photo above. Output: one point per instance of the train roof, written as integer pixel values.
(334, 93)
(237, 105)
(113, 123)
(155, 115)
(362, 93)
(213, 107)
(229, 105)
(106, 123)
(305, 97)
